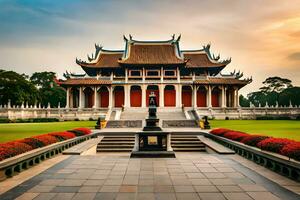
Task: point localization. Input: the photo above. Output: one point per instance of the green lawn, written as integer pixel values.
(276, 128)
(13, 131)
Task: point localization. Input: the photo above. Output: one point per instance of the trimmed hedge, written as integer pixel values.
(10, 149)
(29, 120)
(286, 147)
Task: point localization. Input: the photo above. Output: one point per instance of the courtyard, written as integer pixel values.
(189, 176)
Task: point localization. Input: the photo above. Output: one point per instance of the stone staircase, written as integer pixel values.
(116, 143)
(186, 143)
(171, 115)
(134, 114)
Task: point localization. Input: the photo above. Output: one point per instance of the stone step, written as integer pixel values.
(114, 150)
(186, 143)
(189, 149)
(116, 143)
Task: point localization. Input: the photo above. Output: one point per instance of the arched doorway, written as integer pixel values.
(201, 96)
(104, 97)
(119, 96)
(215, 97)
(135, 96)
(169, 96)
(88, 97)
(152, 88)
(74, 97)
(186, 96)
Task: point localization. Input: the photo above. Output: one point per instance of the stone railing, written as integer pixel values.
(275, 162)
(59, 113)
(14, 165)
(124, 124)
(248, 113)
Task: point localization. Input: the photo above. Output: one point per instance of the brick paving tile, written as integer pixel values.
(89, 189)
(182, 182)
(27, 196)
(165, 196)
(234, 175)
(184, 188)
(143, 189)
(145, 196)
(72, 182)
(113, 182)
(105, 196)
(222, 181)
(237, 196)
(195, 175)
(163, 188)
(207, 169)
(214, 175)
(146, 182)
(41, 188)
(200, 181)
(206, 188)
(229, 188)
(65, 189)
(212, 196)
(128, 188)
(63, 196)
(109, 188)
(125, 196)
(263, 196)
(51, 182)
(94, 182)
(85, 196)
(252, 188)
(45, 196)
(187, 196)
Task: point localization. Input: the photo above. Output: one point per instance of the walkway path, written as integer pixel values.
(116, 176)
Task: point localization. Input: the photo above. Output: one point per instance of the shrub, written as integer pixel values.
(274, 144)
(219, 131)
(85, 131)
(33, 142)
(61, 136)
(235, 135)
(10, 149)
(4, 120)
(46, 139)
(292, 150)
(253, 140)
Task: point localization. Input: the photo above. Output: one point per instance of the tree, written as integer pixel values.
(244, 102)
(49, 91)
(16, 88)
(257, 98)
(275, 84)
(290, 95)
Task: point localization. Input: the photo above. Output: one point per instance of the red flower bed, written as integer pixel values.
(85, 131)
(274, 144)
(61, 136)
(17, 147)
(46, 139)
(281, 146)
(253, 140)
(235, 135)
(292, 150)
(10, 149)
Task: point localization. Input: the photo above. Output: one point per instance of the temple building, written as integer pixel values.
(179, 78)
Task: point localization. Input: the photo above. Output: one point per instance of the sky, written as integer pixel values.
(261, 36)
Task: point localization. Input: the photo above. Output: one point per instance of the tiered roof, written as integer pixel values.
(85, 81)
(153, 53)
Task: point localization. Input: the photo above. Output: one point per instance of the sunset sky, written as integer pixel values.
(261, 36)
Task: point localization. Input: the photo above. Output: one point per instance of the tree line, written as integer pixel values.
(276, 91)
(39, 88)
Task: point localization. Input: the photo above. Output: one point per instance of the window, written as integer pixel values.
(152, 72)
(170, 73)
(135, 73)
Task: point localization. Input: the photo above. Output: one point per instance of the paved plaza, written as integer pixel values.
(116, 176)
